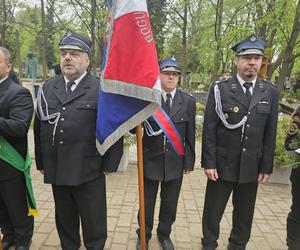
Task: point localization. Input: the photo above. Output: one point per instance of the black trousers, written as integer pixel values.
(85, 202)
(14, 223)
(169, 195)
(293, 219)
(216, 198)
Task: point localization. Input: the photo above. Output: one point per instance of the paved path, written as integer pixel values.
(268, 232)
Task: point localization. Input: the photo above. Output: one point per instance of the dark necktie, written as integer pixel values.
(248, 85)
(168, 103)
(69, 87)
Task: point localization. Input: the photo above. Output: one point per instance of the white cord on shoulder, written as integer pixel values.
(149, 130)
(51, 118)
(220, 113)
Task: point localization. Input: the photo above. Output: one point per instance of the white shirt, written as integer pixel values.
(242, 81)
(2, 80)
(164, 94)
(77, 81)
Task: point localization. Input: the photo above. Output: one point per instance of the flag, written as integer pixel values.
(130, 86)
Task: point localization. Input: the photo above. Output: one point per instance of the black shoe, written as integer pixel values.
(138, 245)
(23, 247)
(7, 244)
(166, 244)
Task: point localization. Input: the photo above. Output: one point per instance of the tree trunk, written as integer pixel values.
(3, 23)
(93, 36)
(184, 46)
(218, 35)
(287, 58)
(44, 63)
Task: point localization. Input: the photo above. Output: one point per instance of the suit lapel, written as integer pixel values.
(60, 90)
(79, 91)
(176, 103)
(4, 86)
(258, 93)
(163, 103)
(238, 92)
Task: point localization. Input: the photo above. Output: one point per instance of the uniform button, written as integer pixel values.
(88, 105)
(167, 150)
(246, 138)
(62, 119)
(61, 131)
(244, 149)
(248, 125)
(63, 108)
(249, 113)
(61, 142)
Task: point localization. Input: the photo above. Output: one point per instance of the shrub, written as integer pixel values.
(200, 108)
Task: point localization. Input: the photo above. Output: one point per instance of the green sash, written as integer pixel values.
(14, 159)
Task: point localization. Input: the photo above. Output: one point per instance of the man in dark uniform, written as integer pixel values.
(16, 109)
(292, 143)
(162, 165)
(65, 147)
(239, 135)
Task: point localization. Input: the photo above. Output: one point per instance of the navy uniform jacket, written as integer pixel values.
(160, 160)
(73, 158)
(241, 160)
(16, 109)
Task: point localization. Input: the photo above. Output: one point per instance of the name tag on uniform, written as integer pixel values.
(264, 102)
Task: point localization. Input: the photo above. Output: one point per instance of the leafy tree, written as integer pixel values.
(158, 17)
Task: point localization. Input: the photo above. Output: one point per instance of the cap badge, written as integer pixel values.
(253, 38)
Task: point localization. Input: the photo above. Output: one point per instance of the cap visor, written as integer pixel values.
(250, 52)
(170, 69)
(74, 47)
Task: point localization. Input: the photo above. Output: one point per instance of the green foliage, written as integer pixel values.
(291, 96)
(283, 158)
(271, 20)
(200, 108)
(158, 18)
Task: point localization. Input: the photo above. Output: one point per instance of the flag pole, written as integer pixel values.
(141, 186)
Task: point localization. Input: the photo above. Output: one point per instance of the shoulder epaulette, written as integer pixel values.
(221, 81)
(186, 93)
(50, 79)
(269, 82)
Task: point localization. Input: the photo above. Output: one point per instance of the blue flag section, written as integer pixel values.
(120, 110)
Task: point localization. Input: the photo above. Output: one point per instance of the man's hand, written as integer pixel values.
(212, 174)
(185, 172)
(263, 178)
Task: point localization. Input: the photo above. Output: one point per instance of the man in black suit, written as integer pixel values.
(162, 165)
(239, 135)
(65, 147)
(292, 143)
(16, 109)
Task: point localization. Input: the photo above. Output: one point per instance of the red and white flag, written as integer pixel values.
(130, 86)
